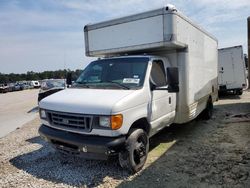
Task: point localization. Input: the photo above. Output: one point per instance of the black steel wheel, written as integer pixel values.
(134, 156)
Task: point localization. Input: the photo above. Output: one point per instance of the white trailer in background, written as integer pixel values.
(156, 68)
(232, 70)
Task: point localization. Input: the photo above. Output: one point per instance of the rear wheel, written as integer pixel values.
(134, 156)
(208, 112)
(239, 92)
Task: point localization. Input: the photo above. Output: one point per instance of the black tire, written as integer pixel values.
(208, 111)
(239, 92)
(134, 156)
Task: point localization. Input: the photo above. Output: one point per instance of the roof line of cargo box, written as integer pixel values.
(132, 56)
(143, 15)
(238, 46)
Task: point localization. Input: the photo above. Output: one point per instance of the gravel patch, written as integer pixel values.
(28, 161)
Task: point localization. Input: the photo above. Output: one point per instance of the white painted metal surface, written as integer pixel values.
(149, 31)
(138, 32)
(232, 70)
(200, 68)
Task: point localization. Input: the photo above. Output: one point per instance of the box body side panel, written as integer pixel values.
(201, 74)
(138, 32)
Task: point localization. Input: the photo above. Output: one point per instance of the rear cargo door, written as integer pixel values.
(226, 69)
(239, 67)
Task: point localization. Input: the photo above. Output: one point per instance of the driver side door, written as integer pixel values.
(162, 101)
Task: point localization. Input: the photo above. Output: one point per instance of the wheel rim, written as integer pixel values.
(140, 150)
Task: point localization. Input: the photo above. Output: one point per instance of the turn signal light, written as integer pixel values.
(116, 121)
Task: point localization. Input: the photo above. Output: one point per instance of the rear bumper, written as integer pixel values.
(90, 147)
(223, 88)
(5, 90)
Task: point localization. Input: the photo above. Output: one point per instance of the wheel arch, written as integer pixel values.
(141, 123)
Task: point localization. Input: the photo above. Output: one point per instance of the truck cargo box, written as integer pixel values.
(167, 33)
(149, 31)
(232, 69)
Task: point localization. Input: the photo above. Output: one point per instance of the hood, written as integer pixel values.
(50, 89)
(84, 101)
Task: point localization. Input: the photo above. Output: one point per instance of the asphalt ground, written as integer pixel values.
(16, 109)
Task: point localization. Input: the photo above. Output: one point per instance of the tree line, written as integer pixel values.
(30, 75)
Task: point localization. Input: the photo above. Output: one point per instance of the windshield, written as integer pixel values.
(117, 73)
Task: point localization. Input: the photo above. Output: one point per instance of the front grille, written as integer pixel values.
(71, 122)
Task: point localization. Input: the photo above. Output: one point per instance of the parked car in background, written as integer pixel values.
(48, 87)
(30, 85)
(4, 88)
(23, 86)
(11, 87)
(17, 87)
(35, 84)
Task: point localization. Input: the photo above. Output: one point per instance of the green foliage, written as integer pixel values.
(30, 75)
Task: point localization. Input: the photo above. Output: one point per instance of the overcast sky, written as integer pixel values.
(38, 35)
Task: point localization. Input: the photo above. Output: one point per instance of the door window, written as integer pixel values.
(158, 75)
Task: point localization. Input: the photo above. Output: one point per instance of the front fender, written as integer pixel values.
(130, 116)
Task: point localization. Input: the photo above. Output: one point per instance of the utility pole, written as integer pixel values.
(248, 38)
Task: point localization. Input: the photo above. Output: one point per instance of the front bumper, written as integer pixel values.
(87, 146)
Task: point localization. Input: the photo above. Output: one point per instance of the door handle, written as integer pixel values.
(169, 100)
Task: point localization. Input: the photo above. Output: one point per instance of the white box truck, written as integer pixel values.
(232, 70)
(154, 69)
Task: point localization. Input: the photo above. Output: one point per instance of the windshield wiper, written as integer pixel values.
(86, 84)
(118, 84)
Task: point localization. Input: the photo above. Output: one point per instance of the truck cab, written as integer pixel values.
(111, 99)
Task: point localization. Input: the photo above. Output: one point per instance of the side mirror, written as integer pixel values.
(173, 79)
(69, 79)
(154, 87)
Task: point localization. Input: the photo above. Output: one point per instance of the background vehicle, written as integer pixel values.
(11, 87)
(23, 86)
(4, 88)
(17, 87)
(48, 87)
(146, 81)
(35, 84)
(232, 70)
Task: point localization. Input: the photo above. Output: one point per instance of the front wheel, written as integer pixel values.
(134, 156)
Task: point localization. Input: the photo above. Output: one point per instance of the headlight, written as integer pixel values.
(114, 121)
(43, 114)
(104, 121)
